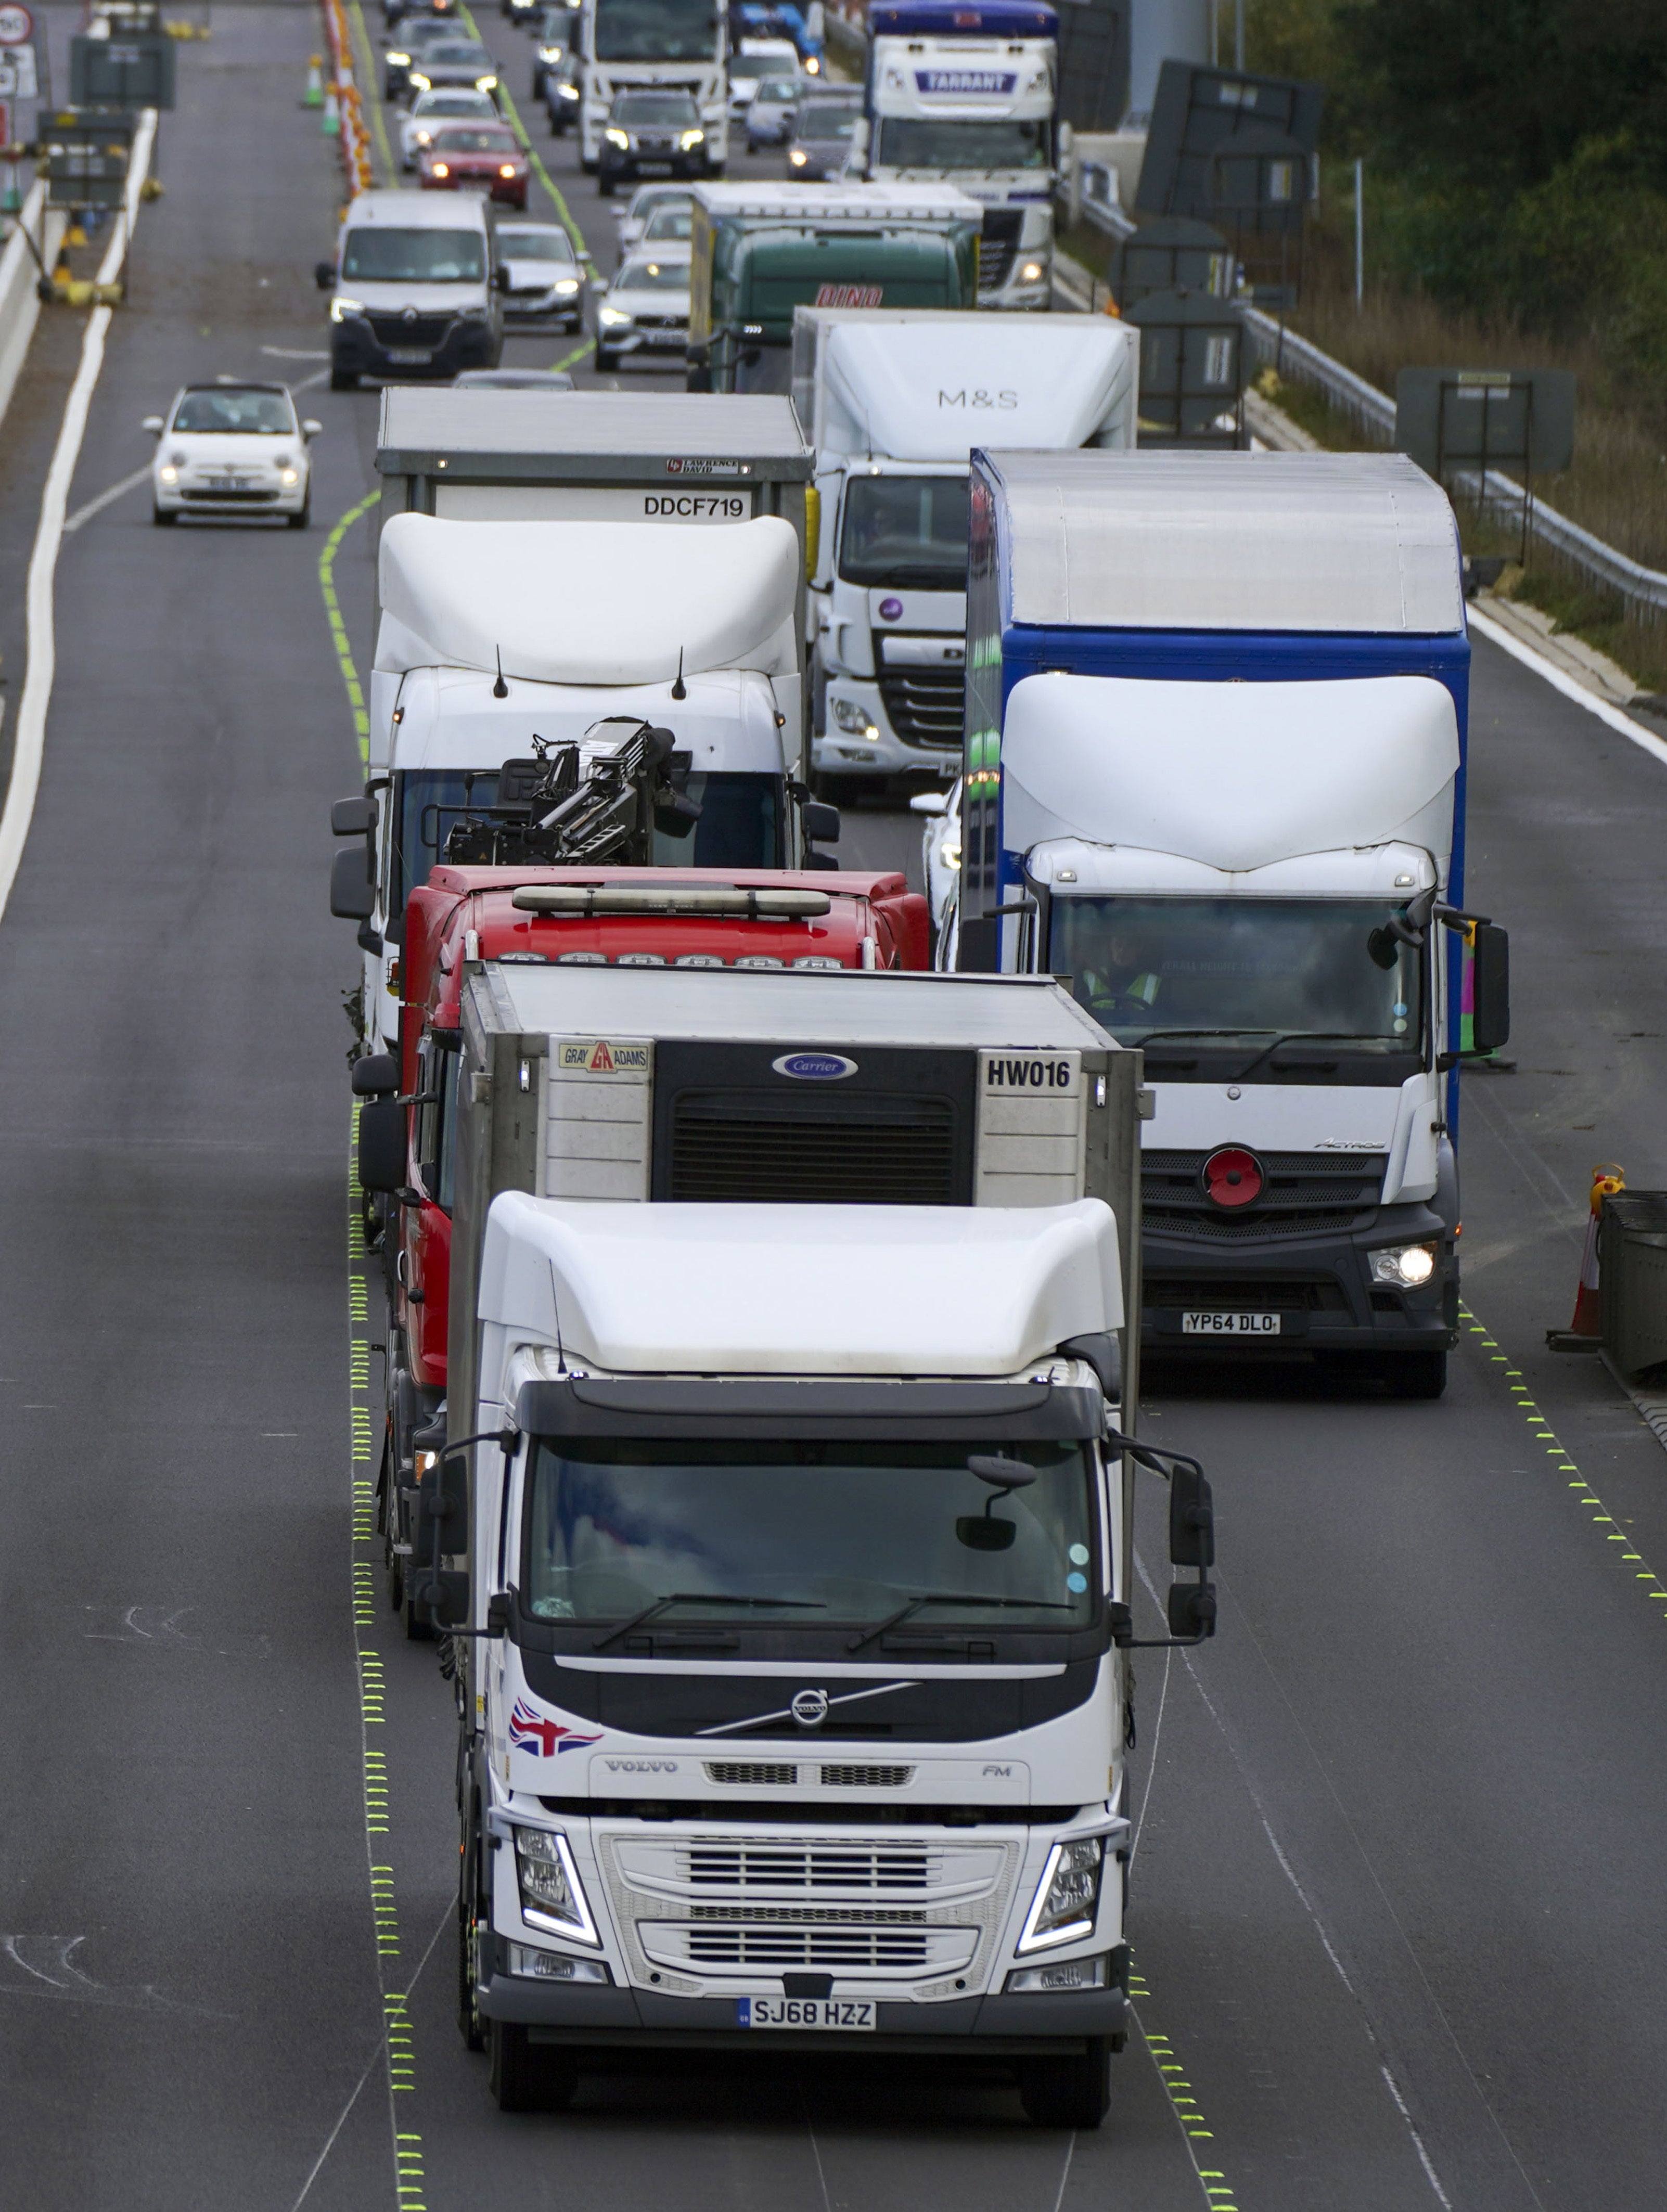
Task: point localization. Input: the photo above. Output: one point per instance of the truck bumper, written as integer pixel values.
(1319, 1292)
(839, 751)
(995, 2027)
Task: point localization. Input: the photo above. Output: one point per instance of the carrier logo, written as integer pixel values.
(1001, 1073)
(531, 1731)
(640, 1766)
(600, 1056)
(814, 1067)
(951, 83)
(809, 1708)
(676, 468)
(850, 295)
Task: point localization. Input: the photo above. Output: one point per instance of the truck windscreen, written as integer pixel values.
(1241, 967)
(905, 533)
(818, 1534)
(916, 143)
(656, 30)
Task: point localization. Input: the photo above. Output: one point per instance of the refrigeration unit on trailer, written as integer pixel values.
(968, 94)
(1214, 772)
(574, 917)
(501, 641)
(895, 400)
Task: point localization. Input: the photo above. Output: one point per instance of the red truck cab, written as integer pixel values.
(695, 917)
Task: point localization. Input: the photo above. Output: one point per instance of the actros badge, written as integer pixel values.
(809, 1708)
(814, 1067)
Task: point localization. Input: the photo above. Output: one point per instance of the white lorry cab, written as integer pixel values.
(895, 399)
(792, 1537)
(653, 46)
(967, 94)
(499, 640)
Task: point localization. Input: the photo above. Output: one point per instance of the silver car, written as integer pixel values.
(543, 286)
(646, 308)
(457, 104)
(770, 119)
(633, 219)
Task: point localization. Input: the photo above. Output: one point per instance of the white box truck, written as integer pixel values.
(894, 401)
(781, 1500)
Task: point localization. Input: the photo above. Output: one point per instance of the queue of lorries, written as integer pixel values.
(762, 1242)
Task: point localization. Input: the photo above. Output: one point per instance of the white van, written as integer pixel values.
(415, 287)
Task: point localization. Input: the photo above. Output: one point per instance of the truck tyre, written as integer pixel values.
(1067, 2093)
(528, 2077)
(471, 2026)
(1417, 1374)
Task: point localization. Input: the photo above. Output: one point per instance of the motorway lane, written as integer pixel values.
(1404, 1815)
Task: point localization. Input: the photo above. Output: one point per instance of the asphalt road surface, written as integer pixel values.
(1398, 1913)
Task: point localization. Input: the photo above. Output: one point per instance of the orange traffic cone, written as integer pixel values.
(1585, 1332)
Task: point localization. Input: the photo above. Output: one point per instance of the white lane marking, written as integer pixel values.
(29, 744)
(1496, 634)
(1070, 2153)
(292, 353)
(105, 499)
(142, 476)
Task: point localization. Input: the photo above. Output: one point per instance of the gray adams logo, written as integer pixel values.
(809, 1708)
(814, 1067)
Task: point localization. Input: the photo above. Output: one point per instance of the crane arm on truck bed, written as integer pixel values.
(547, 813)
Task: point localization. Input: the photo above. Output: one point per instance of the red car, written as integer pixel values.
(473, 154)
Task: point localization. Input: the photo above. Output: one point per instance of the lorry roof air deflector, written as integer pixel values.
(722, 1289)
(1316, 543)
(553, 435)
(563, 602)
(1235, 775)
(955, 1412)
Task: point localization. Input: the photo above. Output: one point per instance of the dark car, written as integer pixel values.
(651, 134)
(821, 141)
(451, 62)
(561, 90)
(473, 157)
(408, 11)
(413, 39)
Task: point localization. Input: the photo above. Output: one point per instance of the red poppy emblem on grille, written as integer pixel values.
(1232, 1176)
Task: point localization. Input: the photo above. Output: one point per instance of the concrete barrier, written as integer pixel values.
(19, 275)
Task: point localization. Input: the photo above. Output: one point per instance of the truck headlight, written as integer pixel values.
(1032, 273)
(1406, 1265)
(552, 1966)
(1067, 1896)
(798, 157)
(850, 715)
(340, 308)
(812, 67)
(1063, 1974)
(616, 138)
(550, 1894)
(612, 316)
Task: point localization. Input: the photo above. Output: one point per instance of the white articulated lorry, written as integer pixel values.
(653, 46)
(1214, 773)
(894, 400)
(785, 1506)
(966, 94)
(499, 640)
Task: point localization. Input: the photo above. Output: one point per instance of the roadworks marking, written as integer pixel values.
(370, 86)
(398, 2042)
(1601, 1520)
(355, 698)
(1217, 2192)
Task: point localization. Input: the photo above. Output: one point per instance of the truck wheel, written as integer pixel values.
(1067, 2093)
(1417, 1374)
(526, 2077)
(471, 2026)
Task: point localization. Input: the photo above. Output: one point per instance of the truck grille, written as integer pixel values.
(421, 331)
(925, 706)
(735, 1774)
(1305, 1194)
(883, 1152)
(1199, 1293)
(997, 246)
(809, 1867)
(805, 1947)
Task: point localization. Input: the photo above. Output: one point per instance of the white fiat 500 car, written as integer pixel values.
(431, 110)
(227, 448)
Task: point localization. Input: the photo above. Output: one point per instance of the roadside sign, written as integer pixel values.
(16, 25)
(18, 79)
(5, 123)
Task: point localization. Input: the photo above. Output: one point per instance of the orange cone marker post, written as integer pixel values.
(1585, 1332)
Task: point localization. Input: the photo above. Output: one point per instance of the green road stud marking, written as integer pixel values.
(1188, 2116)
(578, 354)
(355, 699)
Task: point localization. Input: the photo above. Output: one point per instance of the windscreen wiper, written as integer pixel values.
(1147, 1035)
(1304, 1037)
(955, 1597)
(700, 1597)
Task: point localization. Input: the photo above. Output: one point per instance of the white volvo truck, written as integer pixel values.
(895, 399)
(653, 46)
(793, 1535)
(966, 95)
(494, 635)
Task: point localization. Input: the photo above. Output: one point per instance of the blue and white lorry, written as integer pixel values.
(1214, 773)
(966, 95)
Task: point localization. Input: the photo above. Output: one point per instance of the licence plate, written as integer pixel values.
(410, 356)
(846, 2013)
(225, 484)
(1229, 1324)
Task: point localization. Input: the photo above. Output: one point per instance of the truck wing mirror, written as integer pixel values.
(324, 276)
(820, 822)
(1191, 1606)
(375, 1076)
(1490, 988)
(1191, 1517)
(440, 1522)
(353, 817)
(352, 887)
(929, 802)
(382, 1145)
